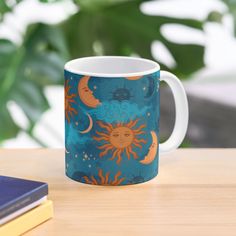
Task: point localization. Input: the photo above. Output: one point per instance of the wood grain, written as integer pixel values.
(194, 194)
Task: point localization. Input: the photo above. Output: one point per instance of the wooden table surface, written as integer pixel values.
(194, 194)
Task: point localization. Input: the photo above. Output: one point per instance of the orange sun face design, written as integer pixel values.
(69, 99)
(120, 138)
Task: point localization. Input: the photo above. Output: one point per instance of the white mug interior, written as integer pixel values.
(112, 66)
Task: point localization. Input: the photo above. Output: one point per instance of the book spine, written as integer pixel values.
(29, 220)
(25, 200)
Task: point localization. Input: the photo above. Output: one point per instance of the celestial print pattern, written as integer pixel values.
(121, 94)
(69, 100)
(86, 94)
(119, 139)
(113, 111)
(104, 180)
(111, 128)
(150, 89)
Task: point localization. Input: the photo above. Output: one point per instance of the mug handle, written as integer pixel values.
(181, 112)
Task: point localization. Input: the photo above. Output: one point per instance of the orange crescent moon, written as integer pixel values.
(134, 77)
(149, 158)
(86, 94)
(90, 125)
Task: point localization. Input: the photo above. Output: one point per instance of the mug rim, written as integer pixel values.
(70, 66)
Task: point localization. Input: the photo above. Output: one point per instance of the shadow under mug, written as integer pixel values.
(112, 119)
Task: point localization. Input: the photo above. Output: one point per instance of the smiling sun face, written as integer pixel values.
(120, 138)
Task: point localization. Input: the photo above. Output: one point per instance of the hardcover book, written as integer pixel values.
(16, 194)
(21, 211)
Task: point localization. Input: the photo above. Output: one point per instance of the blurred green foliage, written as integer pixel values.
(101, 27)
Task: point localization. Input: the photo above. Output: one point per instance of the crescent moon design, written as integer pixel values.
(134, 77)
(151, 87)
(149, 158)
(90, 125)
(86, 94)
(67, 151)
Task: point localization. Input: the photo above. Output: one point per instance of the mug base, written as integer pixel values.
(80, 180)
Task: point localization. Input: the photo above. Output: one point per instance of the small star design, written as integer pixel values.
(95, 87)
(144, 88)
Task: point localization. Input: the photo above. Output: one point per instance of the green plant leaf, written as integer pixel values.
(8, 128)
(91, 5)
(122, 29)
(7, 6)
(25, 70)
(3, 8)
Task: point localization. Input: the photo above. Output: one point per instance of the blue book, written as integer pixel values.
(16, 194)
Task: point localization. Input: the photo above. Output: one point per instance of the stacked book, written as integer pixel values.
(23, 205)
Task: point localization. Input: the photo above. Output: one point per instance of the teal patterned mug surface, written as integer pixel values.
(112, 119)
